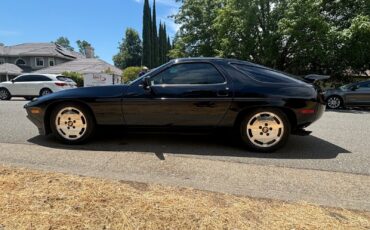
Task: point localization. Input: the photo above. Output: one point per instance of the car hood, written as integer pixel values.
(5, 83)
(82, 94)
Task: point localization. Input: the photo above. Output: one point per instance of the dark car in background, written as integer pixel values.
(264, 106)
(351, 95)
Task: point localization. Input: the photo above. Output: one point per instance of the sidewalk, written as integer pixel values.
(319, 187)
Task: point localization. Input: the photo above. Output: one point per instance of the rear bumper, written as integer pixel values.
(305, 120)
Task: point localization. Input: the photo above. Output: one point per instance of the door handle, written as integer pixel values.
(223, 93)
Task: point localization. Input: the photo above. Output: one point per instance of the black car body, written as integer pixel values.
(193, 92)
(351, 95)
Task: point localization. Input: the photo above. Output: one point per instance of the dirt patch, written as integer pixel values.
(38, 200)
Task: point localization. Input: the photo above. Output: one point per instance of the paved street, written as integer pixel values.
(331, 167)
(340, 142)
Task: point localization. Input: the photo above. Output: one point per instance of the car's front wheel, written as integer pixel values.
(334, 102)
(72, 123)
(4, 94)
(265, 130)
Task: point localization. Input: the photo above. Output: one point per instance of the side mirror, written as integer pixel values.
(146, 83)
(354, 88)
(12, 81)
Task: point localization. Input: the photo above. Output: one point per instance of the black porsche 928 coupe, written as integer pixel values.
(264, 106)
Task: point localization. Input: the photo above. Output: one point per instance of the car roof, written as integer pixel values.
(47, 75)
(216, 59)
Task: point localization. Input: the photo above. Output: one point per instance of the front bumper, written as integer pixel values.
(37, 120)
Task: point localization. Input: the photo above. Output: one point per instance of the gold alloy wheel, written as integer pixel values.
(71, 123)
(265, 129)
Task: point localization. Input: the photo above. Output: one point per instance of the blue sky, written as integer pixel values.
(100, 22)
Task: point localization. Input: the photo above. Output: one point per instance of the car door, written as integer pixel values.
(36, 83)
(184, 94)
(359, 95)
(18, 86)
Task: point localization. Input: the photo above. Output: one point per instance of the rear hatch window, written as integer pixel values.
(63, 78)
(267, 75)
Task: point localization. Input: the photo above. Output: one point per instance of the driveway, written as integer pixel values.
(331, 167)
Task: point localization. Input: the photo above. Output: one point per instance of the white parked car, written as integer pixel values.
(34, 85)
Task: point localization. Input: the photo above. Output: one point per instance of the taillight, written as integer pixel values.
(60, 84)
(307, 111)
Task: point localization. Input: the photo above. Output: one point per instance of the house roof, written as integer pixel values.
(83, 66)
(10, 69)
(39, 49)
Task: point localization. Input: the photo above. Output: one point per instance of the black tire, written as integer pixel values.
(278, 136)
(334, 102)
(88, 118)
(5, 94)
(45, 91)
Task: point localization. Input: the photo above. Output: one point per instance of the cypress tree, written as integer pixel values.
(147, 41)
(155, 47)
(161, 44)
(169, 47)
(165, 48)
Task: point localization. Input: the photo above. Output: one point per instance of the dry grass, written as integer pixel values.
(37, 200)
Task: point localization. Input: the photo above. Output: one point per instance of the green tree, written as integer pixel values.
(130, 50)
(76, 77)
(163, 44)
(131, 73)
(168, 48)
(83, 47)
(155, 40)
(178, 50)
(329, 37)
(298, 36)
(147, 35)
(305, 43)
(64, 42)
(196, 18)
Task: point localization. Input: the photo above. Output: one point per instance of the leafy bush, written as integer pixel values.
(76, 77)
(131, 73)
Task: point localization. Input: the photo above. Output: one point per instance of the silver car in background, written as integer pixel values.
(351, 95)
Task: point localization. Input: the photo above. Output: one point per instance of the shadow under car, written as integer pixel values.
(118, 139)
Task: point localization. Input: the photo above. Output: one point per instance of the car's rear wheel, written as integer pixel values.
(265, 130)
(44, 92)
(4, 94)
(334, 102)
(72, 123)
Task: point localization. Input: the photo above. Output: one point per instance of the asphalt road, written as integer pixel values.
(340, 142)
(331, 167)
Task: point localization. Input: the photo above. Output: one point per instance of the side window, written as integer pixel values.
(189, 74)
(264, 75)
(40, 78)
(365, 85)
(21, 79)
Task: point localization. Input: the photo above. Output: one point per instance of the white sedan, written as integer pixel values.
(34, 85)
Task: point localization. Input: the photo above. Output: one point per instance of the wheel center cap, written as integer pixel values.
(70, 123)
(265, 129)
